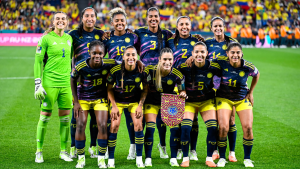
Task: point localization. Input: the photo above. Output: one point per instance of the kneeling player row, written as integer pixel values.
(126, 87)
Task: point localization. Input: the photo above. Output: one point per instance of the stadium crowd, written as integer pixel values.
(277, 18)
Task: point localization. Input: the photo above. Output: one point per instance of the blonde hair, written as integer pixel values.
(158, 68)
(52, 27)
(115, 12)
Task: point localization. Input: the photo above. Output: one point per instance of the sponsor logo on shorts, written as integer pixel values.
(148, 107)
(219, 103)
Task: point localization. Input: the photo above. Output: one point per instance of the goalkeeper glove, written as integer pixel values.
(39, 90)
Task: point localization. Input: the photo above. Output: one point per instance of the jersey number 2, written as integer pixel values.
(185, 51)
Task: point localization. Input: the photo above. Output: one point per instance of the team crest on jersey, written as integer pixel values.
(69, 43)
(127, 40)
(169, 82)
(242, 73)
(209, 75)
(97, 37)
(38, 49)
(104, 72)
(224, 47)
(193, 43)
(137, 80)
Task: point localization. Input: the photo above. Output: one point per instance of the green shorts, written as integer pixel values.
(63, 96)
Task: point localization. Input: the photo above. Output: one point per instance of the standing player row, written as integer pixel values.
(88, 16)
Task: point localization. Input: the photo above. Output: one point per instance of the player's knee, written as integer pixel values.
(223, 130)
(80, 126)
(138, 127)
(247, 131)
(102, 128)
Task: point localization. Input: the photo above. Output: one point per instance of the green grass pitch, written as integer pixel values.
(276, 116)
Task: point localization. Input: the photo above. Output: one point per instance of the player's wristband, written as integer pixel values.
(37, 81)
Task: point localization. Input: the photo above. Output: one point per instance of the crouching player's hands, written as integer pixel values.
(39, 90)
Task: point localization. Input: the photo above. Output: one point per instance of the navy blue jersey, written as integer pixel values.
(203, 81)
(215, 48)
(148, 44)
(93, 81)
(81, 44)
(132, 80)
(175, 77)
(116, 44)
(233, 80)
(183, 50)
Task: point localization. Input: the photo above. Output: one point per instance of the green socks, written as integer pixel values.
(41, 131)
(64, 131)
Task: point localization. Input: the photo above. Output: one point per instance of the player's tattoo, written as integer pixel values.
(143, 95)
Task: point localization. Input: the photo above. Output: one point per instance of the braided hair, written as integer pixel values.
(159, 32)
(96, 43)
(227, 40)
(193, 68)
(123, 63)
(80, 27)
(177, 36)
(157, 74)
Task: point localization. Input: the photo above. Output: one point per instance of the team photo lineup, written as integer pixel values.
(210, 75)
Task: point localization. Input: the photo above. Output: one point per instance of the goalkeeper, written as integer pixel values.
(52, 69)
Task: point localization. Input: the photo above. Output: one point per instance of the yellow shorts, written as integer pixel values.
(202, 106)
(100, 104)
(131, 107)
(228, 104)
(151, 109)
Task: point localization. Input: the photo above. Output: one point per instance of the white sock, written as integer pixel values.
(231, 153)
(209, 159)
(185, 159)
(216, 152)
(100, 157)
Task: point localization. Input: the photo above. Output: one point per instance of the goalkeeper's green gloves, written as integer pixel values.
(39, 90)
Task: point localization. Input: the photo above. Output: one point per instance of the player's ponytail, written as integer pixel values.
(52, 27)
(159, 32)
(80, 27)
(177, 35)
(227, 40)
(158, 68)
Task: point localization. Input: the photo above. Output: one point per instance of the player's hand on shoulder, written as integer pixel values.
(77, 109)
(141, 66)
(173, 36)
(129, 30)
(199, 37)
(106, 35)
(189, 61)
(39, 90)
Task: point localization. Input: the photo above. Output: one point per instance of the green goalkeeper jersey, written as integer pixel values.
(54, 53)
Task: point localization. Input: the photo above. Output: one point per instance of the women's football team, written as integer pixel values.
(211, 75)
